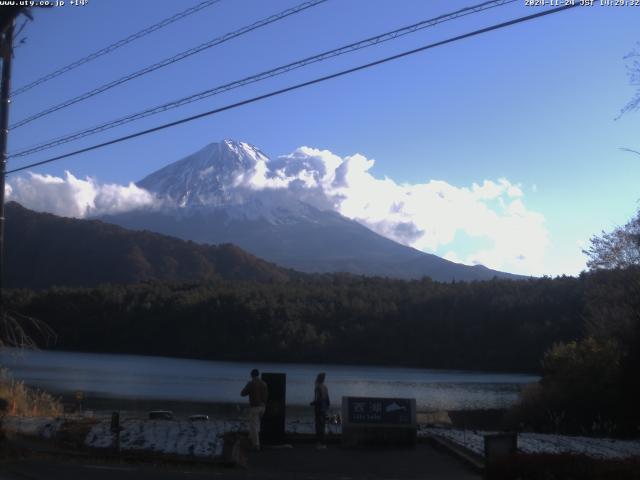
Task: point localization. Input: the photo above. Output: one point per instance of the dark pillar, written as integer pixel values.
(6, 48)
(272, 427)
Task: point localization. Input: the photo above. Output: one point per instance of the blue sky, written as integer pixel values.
(534, 104)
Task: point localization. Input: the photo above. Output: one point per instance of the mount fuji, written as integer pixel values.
(228, 193)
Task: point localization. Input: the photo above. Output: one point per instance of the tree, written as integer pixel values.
(633, 72)
(612, 311)
(591, 385)
(619, 248)
(22, 331)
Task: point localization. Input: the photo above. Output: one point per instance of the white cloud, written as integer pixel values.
(490, 190)
(74, 197)
(425, 215)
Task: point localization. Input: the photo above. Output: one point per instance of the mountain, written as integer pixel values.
(211, 197)
(42, 250)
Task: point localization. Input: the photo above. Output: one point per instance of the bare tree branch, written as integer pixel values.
(21, 331)
(633, 73)
(625, 149)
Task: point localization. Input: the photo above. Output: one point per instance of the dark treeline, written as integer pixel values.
(501, 325)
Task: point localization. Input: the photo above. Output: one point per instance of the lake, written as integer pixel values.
(160, 378)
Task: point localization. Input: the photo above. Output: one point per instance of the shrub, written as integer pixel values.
(580, 391)
(25, 401)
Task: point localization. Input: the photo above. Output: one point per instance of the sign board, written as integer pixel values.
(380, 411)
(380, 421)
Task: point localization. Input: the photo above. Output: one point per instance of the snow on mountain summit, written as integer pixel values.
(284, 210)
(210, 177)
(229, 176)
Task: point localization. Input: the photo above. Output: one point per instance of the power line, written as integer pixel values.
(262, 76)
(115, 46)
(20, 29)
(168, 61)
(299, 86)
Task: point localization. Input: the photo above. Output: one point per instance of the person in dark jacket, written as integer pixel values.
(321, 405)
(258, 394)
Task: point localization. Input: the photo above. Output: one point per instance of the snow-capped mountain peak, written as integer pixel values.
(209, 177)
(231, 192)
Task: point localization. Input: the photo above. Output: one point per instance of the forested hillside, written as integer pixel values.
(42, 250)
(497, 325)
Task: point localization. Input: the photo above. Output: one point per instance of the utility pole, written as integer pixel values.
(6, 48)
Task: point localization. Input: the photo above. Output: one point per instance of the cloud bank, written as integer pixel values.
(74, 197)
(428, 216)
(485, 223)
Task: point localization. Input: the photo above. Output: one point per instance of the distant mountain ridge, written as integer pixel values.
(207, 197)
(43, 250)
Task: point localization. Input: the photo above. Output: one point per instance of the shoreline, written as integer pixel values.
(251, 363)
(102, 406)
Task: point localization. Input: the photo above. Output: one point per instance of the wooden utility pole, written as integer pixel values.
(7, 55)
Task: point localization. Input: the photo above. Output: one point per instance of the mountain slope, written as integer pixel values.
(44, 250)
(332, 243)
(216, 195)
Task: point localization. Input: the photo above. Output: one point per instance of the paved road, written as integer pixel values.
(300, 463)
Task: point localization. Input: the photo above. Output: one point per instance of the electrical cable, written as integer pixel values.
(168, 61)
(371, 41)
(114, 46)
(298, 86)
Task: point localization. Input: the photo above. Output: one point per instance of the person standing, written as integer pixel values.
(321, 405)
(258, 394)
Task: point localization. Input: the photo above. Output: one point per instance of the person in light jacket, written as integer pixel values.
(321, 405)
(258, 394)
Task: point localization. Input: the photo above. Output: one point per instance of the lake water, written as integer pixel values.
(160, 378)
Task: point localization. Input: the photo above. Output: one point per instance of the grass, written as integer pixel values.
(25, 401)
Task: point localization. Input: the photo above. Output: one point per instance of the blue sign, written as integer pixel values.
(384, 411)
